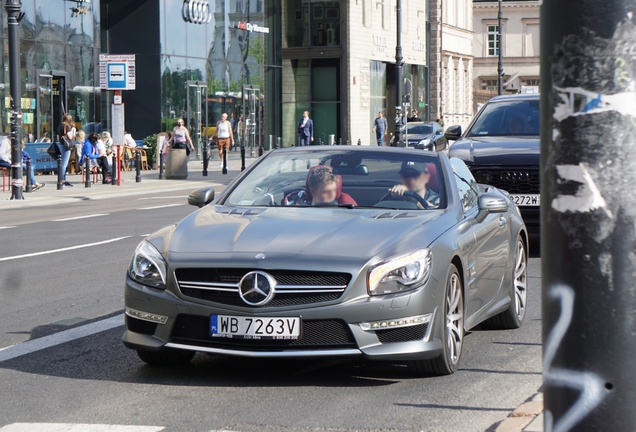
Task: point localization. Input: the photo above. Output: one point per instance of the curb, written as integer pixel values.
(528, 417)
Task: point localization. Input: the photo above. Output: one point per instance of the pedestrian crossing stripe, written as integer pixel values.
(79, 427)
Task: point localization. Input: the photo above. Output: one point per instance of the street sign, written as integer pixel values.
(117, 71)
(117, 112)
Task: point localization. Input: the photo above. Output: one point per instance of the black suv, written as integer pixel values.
(501, 148)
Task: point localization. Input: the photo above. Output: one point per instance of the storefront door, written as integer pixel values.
(251, 133)
(197, 115)
(51, 101)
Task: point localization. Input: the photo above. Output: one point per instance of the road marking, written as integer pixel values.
(161, 206)
(34, 345)
(7, 227)
(87, 245)
(80, 217)
(164, 197)
(76, 427)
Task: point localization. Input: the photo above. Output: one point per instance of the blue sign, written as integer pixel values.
(40, 158)
(117, 75)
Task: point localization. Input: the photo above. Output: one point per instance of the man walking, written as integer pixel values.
(440, 120)
(380, 127)
(306, 129)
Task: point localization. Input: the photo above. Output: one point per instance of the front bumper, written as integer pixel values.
(328, 329)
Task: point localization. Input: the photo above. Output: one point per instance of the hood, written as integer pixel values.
(311, 231)
(518, 151)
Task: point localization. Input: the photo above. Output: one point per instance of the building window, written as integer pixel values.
(364, 13)
(529, 81)
(493, 40)
(385, 18)
(489, 84)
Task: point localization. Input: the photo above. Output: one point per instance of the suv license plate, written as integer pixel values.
(526, 200)
(275, 328)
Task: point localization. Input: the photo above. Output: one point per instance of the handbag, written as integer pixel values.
(66, 144)
(54, 151)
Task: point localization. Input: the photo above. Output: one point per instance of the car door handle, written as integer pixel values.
(502, 222)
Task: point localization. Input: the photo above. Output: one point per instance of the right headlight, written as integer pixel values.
(400, 273)
(148, 266)
(424, 142)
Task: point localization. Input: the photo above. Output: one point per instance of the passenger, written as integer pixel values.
(415, 177)
(322, 188)
(95, 150)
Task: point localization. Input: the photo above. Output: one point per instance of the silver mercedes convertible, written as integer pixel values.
(383, 253)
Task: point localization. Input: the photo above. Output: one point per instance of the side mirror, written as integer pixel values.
(453, 133)
(490, 203)
(201, 197)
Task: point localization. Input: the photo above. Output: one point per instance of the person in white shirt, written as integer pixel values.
(225, 135)
(128, 140)
(5, 152)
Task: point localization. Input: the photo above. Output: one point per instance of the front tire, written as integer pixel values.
(453, 336)
(513, 317)
(166, 357)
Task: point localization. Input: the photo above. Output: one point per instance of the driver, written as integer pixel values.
(415, 177)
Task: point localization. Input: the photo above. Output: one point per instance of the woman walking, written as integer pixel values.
(65, 137)
(180, 137)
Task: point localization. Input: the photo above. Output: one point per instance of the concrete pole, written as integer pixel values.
(14, 15)
(588, 214)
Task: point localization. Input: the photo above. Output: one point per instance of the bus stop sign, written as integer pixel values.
(117, 71)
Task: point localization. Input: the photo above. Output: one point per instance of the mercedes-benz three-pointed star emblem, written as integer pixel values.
(257, 288)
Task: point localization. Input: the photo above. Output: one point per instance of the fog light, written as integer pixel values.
(146, 316)
(404, 322)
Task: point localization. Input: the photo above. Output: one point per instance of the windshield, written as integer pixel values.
(507, 118)
(351, 179)
(419, 129)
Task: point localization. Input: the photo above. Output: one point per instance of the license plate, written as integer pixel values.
(279, 328)
(526, 200)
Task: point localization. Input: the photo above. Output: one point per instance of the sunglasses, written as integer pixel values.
(180, 124)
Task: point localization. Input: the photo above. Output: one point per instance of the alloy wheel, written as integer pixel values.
(521, 281)
(454, 318)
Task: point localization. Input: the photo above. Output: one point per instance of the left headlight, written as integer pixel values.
(148, 266)
(400, 273)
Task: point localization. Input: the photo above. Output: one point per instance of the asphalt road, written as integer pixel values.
(61, 270)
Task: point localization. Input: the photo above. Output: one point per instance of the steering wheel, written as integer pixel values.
(409, 196)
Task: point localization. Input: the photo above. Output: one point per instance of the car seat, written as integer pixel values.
(433, 183)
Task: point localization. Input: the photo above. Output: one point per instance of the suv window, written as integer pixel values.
(468, 189)
(518, 117)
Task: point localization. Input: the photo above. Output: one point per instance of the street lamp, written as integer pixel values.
(399, 60)
(14, 15)
(500, 53)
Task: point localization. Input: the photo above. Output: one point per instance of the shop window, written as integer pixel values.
(325, 23)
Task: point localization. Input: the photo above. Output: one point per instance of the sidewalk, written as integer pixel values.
(150, 183)
(528, 417)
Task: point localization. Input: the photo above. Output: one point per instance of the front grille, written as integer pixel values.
(514, 180)
(140, 326)
(232, 299)
(315, 334)
(404, 334)
(293, 287)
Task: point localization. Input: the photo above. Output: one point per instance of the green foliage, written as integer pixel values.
(151, 143)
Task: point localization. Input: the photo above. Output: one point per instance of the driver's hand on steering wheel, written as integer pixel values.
(398, 191)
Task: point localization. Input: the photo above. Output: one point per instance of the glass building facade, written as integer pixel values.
(263, 62)
(58, 56)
